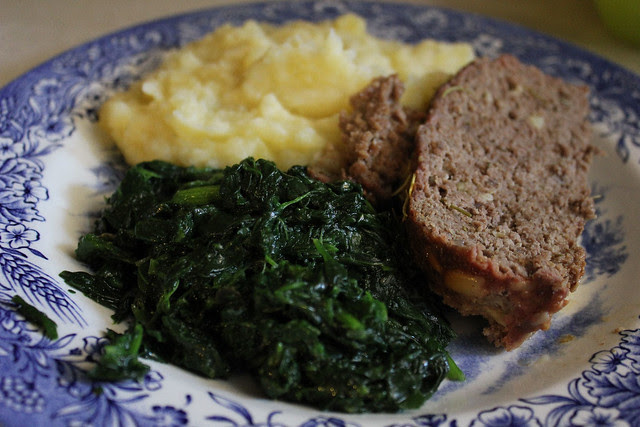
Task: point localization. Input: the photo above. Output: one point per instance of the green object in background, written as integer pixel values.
(622, 18)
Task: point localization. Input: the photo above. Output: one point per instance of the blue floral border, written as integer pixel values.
(43, 381)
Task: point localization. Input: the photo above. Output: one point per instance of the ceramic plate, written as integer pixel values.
(55, 169)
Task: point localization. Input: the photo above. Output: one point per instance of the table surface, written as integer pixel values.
(33, 31)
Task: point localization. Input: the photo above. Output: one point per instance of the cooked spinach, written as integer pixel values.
(119, 359)
(301, 283)
(37, 317)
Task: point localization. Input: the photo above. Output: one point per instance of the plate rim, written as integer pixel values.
(591, 57)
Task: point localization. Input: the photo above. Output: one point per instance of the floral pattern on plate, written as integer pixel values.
(48, 111)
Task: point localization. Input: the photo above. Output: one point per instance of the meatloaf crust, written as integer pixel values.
(501, 195)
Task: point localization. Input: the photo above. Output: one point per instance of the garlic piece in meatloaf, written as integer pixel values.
(501, 195)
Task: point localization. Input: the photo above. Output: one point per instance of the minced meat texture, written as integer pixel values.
(378, 140)
(501, 194)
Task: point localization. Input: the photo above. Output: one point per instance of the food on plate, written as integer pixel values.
(497, 178)
(501, 196)
(266, 91)
(378, 137)
(31, 314)
(221, 263)
(301, 283)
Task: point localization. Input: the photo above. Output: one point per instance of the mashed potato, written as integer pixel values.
(266, 91)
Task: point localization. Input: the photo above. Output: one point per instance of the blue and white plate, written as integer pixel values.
(55, 168)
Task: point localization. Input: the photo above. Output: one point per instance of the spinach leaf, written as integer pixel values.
(301, 283)
(119, 358)
(35, 316)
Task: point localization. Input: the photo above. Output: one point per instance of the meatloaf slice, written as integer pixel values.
(500, 195)
(378, 137)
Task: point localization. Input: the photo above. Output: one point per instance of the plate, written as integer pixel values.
(55, 168)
